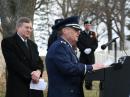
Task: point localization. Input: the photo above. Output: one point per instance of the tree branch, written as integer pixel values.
(40, 3)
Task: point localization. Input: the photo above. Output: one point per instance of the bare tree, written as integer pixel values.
(11, 10)
(113, 14)
(119, 20)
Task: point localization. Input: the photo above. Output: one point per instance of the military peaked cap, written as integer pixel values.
(72, 21)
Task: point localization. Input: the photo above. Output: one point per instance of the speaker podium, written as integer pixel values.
(116, 79)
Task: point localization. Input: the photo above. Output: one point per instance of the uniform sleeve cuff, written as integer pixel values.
(89, 68)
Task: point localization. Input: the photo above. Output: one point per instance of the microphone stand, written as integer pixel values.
(115, 50)
(115, 47)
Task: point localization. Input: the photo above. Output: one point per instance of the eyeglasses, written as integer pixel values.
(74, 29)
(77, 30)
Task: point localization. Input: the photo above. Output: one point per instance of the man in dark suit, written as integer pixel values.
(87, 44)
(65, 73)
(22, 61)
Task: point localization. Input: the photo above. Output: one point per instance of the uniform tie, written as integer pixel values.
(27, 49)
(87, 32)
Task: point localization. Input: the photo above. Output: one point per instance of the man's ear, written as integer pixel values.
(64, 30)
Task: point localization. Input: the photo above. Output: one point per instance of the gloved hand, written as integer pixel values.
(87, 51)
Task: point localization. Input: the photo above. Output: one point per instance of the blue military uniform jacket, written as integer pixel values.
(65, 73)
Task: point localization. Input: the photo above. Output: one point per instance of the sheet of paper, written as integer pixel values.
(108, 63)
(41, 85)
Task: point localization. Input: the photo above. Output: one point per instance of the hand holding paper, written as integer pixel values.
(35, 76)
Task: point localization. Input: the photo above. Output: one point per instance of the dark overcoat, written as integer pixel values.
(20, 62)
(65, 73)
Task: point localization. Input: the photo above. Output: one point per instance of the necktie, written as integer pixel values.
(26, 44)
(27, 48)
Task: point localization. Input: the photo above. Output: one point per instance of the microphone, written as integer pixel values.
(107, 44)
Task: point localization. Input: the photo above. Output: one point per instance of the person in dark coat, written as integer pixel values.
(65, 73)
(22, 61)
(53, 35)
(87, 44)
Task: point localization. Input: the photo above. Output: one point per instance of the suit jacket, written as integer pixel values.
(65, 73)
(20, 62)
(87, 41)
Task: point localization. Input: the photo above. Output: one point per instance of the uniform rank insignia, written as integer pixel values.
(63, 42)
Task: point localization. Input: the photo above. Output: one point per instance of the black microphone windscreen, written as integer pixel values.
(103, 47)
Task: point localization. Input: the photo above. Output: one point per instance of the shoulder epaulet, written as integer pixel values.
(63, 42)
